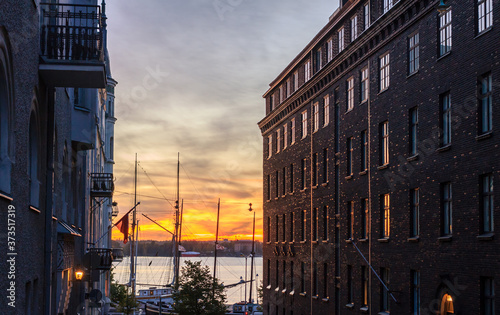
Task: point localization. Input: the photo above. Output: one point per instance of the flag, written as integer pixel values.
(181, 248)
(122, 225)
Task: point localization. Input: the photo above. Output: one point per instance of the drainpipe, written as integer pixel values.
(49, 202)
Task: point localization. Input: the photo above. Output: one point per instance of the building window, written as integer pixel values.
(354, 28)
(325, 280)
(325, 223)
(337, 252)
(326, 110)
(276, 234)
(269, 146)
(385, 296)
(415, 292)
(350, 93)
(304, 124)
(364, 84)
(291, 178)
(303, 225)
(268, 229)
(325, 166)
(296, 81)
(315, 169)
(292, 276)
(388, 5)
(350, 287)
(307, 71)
(277, 182)
(445, 119)
(283, 182)
(271, 103)
(288, 87)
(384, 143)
(283, 228)
(277, 274)
(445, 31)
(487, 296)
(364, 286)
(484, 15)
(384, 72)
(364, 151)
(350, 219)
(329, 48)
(303, 277)
(486, 103)
(284, 279)
(304, 174)
(317, 60)
(6, 119)
(487, 203)
(366, 14)
(315, 223)
(413, 53)
(446, 209)
(269, 273)
(292, 227)
(285, 136)
(33, 162)
(415, 212)
(269, 187)
(386, 216)
(278, 140)
(349, 156)
(365, 219)
(316, 116)
(340, 34)
(293, 131)
(413, 131)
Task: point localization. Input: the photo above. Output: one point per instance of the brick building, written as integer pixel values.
(56, 157)
(381, 135)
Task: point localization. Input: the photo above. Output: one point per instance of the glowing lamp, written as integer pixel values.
(78, 274)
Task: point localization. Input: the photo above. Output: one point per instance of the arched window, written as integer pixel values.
(6, 117)
(34, 161)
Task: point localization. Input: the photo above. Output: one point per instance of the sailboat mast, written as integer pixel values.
(216, 243)
(177, 258)
(253, 254)
(133, 243)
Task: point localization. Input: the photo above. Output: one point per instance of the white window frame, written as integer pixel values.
(326, 110)
(341, 41)
(329, 48)
(413, 53)
(388, 4)
(385, 71)
(364, 84)
(296, 78)
(285, 136)
(484, 15)
(304, 124)
(354, 28)
(278, 141)
(316, 116)
(445, 32)
(269, 146)
(292, 129)
(384, 134)
(288, 87)
(350, 94)
(366, 13)
(307, 71)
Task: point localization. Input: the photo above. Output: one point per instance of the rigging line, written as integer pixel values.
(196, 189)
(147, 196)
(118, 179)
(147, 175)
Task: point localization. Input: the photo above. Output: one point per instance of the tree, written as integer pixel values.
(128, 303)
(198, 292)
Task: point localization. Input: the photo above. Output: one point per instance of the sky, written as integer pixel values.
(191, 75)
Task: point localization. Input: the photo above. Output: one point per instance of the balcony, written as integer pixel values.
(101, 185)
(71, 46)
(117, 254)
(98, 259)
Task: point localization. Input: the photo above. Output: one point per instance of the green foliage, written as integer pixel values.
(128, 303)
(118, 292)
(260, 295)
(198, 292)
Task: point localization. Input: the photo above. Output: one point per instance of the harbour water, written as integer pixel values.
(158, 271)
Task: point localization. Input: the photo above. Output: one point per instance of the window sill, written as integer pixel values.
(486, 237)
(315, 187)
(35, 209)
(484, 32)
(283, 196)
(364, 309)
(363, 102)
(303, 294)
(283, 291)
(412, 74)
(268, 287)
(348, 177)
(446, 238)
(415, 239)
(325, 241)
(444, 56)
(485, 135)
(363, 173)
(277, 289)
(302, 242)
(383, 313)
(303, 190)
(444, 148)
(291, 243)
(348, 241)
(413, 158)
(325, 299)
(350, 305)
(292, 292)
(363, 240)
(314, 242)
(268, 243)
(269, 200)
(324, 184)
(315, 297)
(6, 197)
(291, 193)
(276, 198)
(382, 91)
(383, 240)
(383, 167)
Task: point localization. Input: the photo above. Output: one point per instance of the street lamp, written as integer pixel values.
(252, 254)
(78, 274)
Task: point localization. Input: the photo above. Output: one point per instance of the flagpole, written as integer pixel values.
(116, 224)
(216, 243)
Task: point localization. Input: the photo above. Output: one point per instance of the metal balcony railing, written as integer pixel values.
(100, 258)
(71, 32)
(101, 185)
